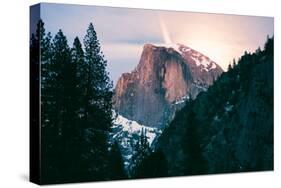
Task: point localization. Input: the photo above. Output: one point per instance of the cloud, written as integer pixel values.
(122, 31)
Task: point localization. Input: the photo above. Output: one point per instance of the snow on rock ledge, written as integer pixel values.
(127, 133)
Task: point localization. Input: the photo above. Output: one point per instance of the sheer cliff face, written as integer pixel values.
(164, 77)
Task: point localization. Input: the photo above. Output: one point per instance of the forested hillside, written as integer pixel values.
(228, 128)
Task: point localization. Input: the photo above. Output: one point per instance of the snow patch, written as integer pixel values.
(216, 118)
(174, 46)
(182, 100)
(200, 60)
(200, 86)
(127, 133)
(213, 66)
(228, 107)
(204, 62)
(132, 127)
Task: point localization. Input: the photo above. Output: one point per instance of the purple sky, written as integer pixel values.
(123, 32)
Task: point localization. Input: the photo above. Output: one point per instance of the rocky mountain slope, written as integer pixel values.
(164, 78)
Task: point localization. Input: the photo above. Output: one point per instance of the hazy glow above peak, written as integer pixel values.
(164, 30)
(123, 32)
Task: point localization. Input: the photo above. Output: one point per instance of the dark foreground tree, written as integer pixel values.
(194, 160)
(153, 165)
(76, 109)
(95, 110)
(98, 87)
(116, 163)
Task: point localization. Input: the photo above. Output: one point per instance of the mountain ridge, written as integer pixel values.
(163, 76)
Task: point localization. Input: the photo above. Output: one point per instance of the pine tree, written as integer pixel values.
(41, 47)
(147, 163)
(194, 160)
(76, 108)
(116, 163)
(229, 67)
(152, 165)
(59, 106)
(78, 58)
(258, 51)
(61, 86)
(142, 151)
(233, 63)
(61, 112)
(98, 88)
(45, 49)
(95, 109)
(269, 46)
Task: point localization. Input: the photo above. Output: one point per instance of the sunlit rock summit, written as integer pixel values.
(165, 77)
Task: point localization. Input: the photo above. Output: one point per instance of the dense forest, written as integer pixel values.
(76, 106)
(228, 128)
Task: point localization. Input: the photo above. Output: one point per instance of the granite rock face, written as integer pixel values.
(165, 77)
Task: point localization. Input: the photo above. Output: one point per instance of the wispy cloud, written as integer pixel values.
(122, 32)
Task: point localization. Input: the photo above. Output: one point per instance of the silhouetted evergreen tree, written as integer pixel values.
(142, 151)
(116, 163)
(95, 110)
(194, 160)
(229, 67)
(98, 88)
(76, 109)
(48, 128)
(62, 93)
(269, 46)
(258, 51)
(152, 165)
(78, 58)
(233, 63)
(44, 43)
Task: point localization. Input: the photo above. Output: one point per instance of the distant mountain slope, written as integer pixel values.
(228, 128)
(127, 133)
(164, 76)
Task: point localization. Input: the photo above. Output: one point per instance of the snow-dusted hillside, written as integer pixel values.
(127, 132)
